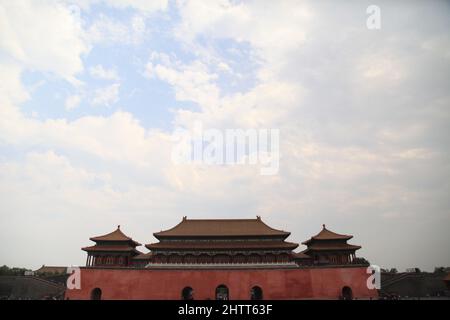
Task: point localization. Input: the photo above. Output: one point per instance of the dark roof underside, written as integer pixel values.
(143, 256)
(333, 247)
(300, 255)
(111, 249)
(222, 245)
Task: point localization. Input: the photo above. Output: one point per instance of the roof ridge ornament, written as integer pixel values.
(323, 225)
(258, 217)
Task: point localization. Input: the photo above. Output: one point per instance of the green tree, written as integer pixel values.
(7, 271)
(393, 270)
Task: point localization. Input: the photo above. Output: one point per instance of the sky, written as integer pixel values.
(92, 91)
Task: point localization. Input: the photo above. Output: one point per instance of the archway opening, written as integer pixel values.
(222, 292)
(96, 294)
(347, 293)
(187, 293)
(256, 293)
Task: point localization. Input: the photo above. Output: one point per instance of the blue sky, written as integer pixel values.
(92, 90)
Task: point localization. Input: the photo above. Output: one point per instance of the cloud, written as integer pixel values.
(50, 41)
(72, 102)
(140, 5)
(192, 82)
(100, 72)
(108, 31)
(106, 96)
(363, 118)
(11, 90)
(143, 5)
(272, 29)
(266, 105)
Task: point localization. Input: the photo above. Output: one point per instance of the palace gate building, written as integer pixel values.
(223, 259)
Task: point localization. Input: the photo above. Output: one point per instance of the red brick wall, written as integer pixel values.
(319, 283)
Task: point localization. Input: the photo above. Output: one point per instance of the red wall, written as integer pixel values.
(318, 283)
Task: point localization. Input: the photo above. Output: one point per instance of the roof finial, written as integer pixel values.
(323, 225)
(184, 218)
(118, 227)
(258, 217)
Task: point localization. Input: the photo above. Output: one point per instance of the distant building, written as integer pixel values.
(413, 285)
(412, 270)
(50, 270)
(30, 288)
(447, 281)
(47, 282)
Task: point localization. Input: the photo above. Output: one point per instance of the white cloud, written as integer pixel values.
(11, 88)
(141, 5)
(106, 30)
(266, 105)
(222, 66)
(72, 102)
(272, 28)
(50, 40)
(363, 144)
(379, 69)
(191, 82)
(100, 72)
(106, 96)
